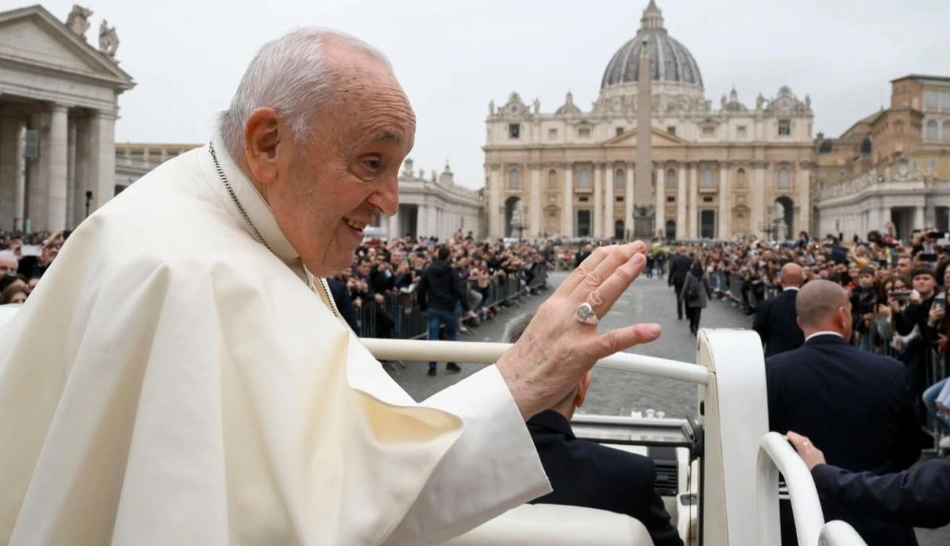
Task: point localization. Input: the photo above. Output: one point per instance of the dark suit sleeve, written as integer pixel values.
(650, 510)
(919, 497)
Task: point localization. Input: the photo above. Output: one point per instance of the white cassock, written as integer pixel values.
(174, 381)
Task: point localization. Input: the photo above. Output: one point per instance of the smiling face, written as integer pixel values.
(325, 189)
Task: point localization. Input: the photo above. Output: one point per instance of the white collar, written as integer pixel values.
(825, 333)
(795, 288)
(258, 211)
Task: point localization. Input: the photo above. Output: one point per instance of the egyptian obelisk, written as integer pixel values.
(643, 186)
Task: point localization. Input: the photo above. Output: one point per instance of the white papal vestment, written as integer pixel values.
(172, 381)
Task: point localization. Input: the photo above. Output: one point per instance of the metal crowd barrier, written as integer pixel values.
(401, 310)
(742, 293)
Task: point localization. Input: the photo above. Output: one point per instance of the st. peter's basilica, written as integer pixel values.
(706, 172)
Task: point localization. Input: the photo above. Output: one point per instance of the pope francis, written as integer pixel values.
(180, 377)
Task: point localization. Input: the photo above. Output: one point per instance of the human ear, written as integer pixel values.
(262, 137)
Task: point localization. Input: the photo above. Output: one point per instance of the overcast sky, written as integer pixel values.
(454, 56)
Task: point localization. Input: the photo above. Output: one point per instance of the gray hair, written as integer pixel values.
(516, 327)
(291, 75)
(11, 255)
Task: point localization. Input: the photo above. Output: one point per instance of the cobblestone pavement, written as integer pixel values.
(613, 392)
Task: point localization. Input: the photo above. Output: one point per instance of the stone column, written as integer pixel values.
(761, 215)
(71, 219)
(919, 217)
(37, 173)
(595, 214)
(495, 229)
(609, 201)
(567, 207)
(57, 160)
(660, 226)
(102, 158)
(682, 224)
(81, 169)
(628, 202)
(11, 170)
(725, 198)
(535, 223)
(393, 231)
(693, 202)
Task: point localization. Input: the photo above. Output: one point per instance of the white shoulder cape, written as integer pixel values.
(172, 381)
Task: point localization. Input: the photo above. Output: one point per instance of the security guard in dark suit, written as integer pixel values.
(584, 473)
(855, 404)
(776, 320)
(679, 267)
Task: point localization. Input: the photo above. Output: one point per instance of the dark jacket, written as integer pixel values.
(696, 291)
(679, 267)
(918, 497)
(776, 322)
(854, 405)
(344, 303)
(441, 288)
(588, 474)
(863, 301)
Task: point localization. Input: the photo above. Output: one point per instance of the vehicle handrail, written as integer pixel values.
(776, 455)
(840, 533)
(488, 353)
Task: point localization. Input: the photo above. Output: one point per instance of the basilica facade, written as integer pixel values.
(707, 171)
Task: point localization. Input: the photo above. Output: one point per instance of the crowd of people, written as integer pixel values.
(896, 293)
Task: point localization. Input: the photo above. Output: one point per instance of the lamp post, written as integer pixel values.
(88, 201)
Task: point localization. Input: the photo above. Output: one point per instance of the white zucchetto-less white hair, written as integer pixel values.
(290, 75)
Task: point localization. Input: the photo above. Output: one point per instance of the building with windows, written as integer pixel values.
(58, 107)
(701, 172)
(433, 206)
(892, 166)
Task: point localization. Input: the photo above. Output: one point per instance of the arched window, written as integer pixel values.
(552, 180)
(583, 178)
(514, 180)
(784, 181)
(946, 130)
(709, 180)
(620, 180)
(740, 178)
(932, 130)
(670, 178)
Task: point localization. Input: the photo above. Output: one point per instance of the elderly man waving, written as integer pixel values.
(181, 376)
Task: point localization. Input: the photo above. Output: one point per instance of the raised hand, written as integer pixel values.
(556, 349)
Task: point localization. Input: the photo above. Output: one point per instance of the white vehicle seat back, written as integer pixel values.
(556, 525)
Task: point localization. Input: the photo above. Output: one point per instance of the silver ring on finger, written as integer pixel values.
(585, 314)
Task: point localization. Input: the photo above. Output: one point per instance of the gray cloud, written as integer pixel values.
(453, 57)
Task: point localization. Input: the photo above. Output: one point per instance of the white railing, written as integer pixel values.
(776, 455)
(839, 533)
(741, 458)
(488, 353)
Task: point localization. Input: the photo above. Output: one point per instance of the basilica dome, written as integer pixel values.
(670, 62)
